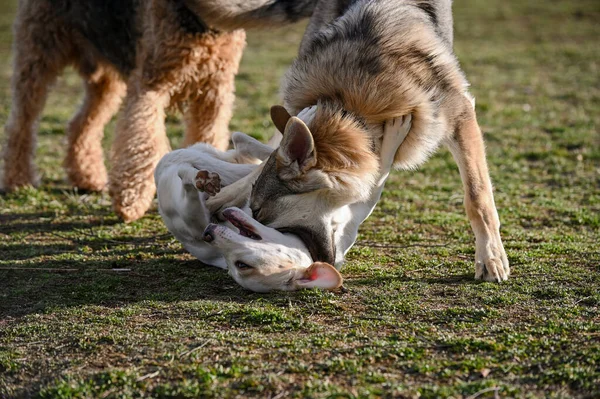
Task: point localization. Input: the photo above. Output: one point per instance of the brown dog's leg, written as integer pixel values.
(207, 117)
(491, 263)
(84, 162)
(140, 142)
(172, 62)
(41, 53)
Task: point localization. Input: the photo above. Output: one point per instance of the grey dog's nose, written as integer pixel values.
(209, 233)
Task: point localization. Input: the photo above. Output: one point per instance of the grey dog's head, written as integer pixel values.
(315, 171)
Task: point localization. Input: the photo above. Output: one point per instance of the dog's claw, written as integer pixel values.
(208, 182)
(492, 266)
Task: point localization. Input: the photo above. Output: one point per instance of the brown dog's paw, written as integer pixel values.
(208, 182)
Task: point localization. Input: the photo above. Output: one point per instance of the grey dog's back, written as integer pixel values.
(381, 59)
(374, 46)
(439, 13)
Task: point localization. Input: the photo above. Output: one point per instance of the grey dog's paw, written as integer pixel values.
(491, 263)
(208, 182)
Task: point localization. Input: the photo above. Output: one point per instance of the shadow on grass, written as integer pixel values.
(68, 283)
(13, 252)
(30, 223)
(458, 279)
(62, 263)
(54, 187)
(23, 252)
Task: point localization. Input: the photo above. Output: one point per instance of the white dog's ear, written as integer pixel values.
(296, 153)
(320, 275)
(280, 117)
(248, 149)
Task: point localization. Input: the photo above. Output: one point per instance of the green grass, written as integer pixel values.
(412, 322)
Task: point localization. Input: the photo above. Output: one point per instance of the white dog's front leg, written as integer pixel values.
(236, 194)
(394, 133)
(195, 180)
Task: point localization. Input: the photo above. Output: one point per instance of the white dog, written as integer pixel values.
(259, 258)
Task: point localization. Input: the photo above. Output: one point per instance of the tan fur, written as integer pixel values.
(41, 51)
(84, 162)
(194, 72)
(348, 149)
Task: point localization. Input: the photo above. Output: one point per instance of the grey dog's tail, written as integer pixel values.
(232, 14)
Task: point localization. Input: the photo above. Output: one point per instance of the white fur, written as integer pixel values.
(182, 206)
(280, 261)
(277, 259)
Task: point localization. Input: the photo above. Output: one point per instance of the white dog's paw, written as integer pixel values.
(491, 263)
(307, 114)
(208, 182)
(394, 132)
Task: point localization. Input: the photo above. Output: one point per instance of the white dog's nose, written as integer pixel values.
(209, 233)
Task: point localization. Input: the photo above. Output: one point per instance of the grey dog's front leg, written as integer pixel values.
(468, 149)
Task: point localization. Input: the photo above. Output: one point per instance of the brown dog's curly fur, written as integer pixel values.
(194, 71)
(173, 67)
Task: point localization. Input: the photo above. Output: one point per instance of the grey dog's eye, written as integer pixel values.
(243, 266)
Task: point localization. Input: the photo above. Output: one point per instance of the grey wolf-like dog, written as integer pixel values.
(362, 62)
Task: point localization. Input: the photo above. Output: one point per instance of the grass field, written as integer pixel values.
(412, 322)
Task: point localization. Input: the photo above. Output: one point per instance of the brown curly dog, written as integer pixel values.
(156, 53)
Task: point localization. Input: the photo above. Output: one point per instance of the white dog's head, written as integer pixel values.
(262, 259)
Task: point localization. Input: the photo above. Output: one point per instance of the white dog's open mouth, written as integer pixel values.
(245, 229)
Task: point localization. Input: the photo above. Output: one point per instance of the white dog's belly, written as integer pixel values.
(182, 205)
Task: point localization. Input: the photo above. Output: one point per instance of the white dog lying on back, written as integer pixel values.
(259, 258)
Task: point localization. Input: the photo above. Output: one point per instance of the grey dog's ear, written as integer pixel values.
(280, 117)
(296, 153)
